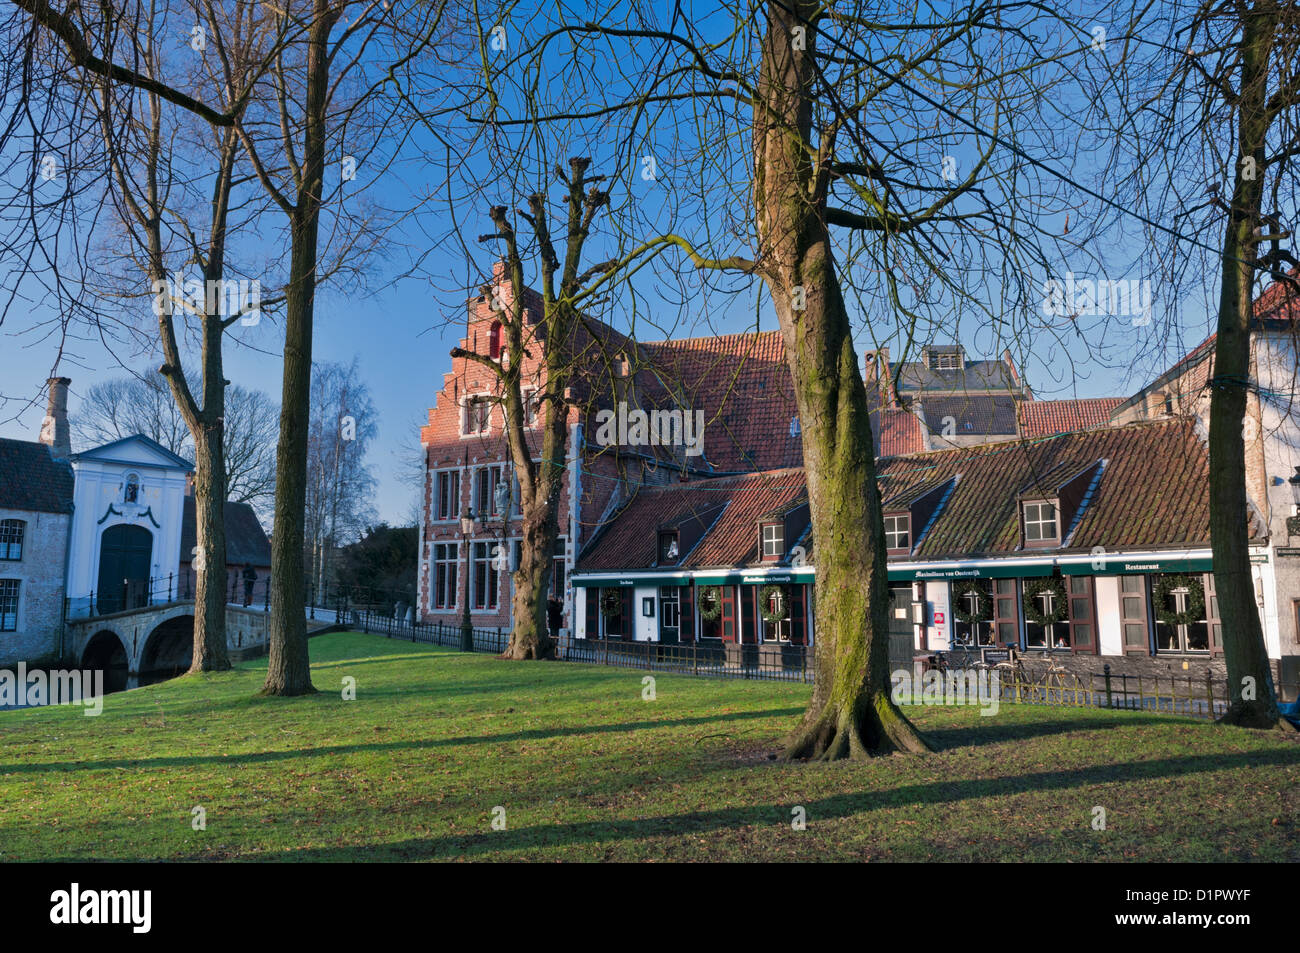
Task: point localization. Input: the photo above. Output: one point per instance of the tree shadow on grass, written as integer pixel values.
(531, 734)
(987, 732)
(837, 806)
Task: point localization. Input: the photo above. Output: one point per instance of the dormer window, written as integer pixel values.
(773, 538)
(131, 489)
(668, 548)
(1041, 523)
(898, 533)
(940, 361)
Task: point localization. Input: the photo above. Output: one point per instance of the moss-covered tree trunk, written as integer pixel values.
(851, 714)
(1250, 679)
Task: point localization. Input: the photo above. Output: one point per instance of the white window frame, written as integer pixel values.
(437, 496)
(455, 563)
(18, 607)
(6, 545)
(775, 541)
(1039, 522)
(891, 535)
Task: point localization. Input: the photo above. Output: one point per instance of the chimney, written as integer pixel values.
(54, 428)
(1011, 365)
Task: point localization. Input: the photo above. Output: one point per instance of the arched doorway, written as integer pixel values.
(168, 650)
(105, 653)
(125, 553)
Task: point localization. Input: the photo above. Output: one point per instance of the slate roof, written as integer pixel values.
(1040, 418)
(971, 414)
(916, 376)
(246, 541)
(1152, 494)
(31, 479)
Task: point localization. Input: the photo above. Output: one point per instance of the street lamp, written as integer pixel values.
(466, 629)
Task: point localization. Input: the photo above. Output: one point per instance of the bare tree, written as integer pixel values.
(117, 408)
(1211, 97)
(340, 485)
(845, 183)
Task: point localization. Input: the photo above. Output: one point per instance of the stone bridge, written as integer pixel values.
(141, 646)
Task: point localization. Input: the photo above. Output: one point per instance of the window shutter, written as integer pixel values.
(1083, 614)
(1133, 614)
(1006, 613)
(593, 612)
(797, 613)
(1215, 624)
(748, 614)
(728, 613)
(687, 609)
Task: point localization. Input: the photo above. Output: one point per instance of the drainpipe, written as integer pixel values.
(67, 560)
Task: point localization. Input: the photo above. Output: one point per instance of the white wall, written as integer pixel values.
(98, 486)
(1110, 631)
(647, 629)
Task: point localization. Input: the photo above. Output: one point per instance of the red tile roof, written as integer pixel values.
(742, 384)
(1039, 418)
(629, 541)
(896, 432)
(1151, 494)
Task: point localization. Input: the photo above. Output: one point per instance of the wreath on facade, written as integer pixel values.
(611, 603)
(983, 603)
(767, 597)
(1033, 610)
(1195, 611)
(711, 603)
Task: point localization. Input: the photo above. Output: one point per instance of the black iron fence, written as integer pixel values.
(1198, 697)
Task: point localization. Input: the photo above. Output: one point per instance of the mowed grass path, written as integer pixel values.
(587, 770)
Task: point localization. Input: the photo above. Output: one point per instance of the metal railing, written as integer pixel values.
(1197, 697)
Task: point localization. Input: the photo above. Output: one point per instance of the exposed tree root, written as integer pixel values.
(1255, 714)
(879, 728)
(539, 649)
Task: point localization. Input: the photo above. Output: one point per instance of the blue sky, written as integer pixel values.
(403, 325)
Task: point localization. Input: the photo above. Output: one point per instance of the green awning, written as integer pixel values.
(999, 571)
(1111, 566)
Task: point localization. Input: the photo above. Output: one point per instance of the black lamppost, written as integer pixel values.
(466, 628)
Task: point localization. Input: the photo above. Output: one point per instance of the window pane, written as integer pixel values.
(1134, 634)
(1132, 607)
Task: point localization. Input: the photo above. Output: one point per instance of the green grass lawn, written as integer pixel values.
(587, 770)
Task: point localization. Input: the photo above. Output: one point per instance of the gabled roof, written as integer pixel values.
(1276, 308)
(31, 479)
(136, 450)
(1040, 418)
(246, 541)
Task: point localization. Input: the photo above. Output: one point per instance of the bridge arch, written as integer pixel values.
(168, 650)
(106, 652)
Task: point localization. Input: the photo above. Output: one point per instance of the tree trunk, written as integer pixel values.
(1250, 678)
(530, 634)
(210, 653)
(288, 664)
(851, 714)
